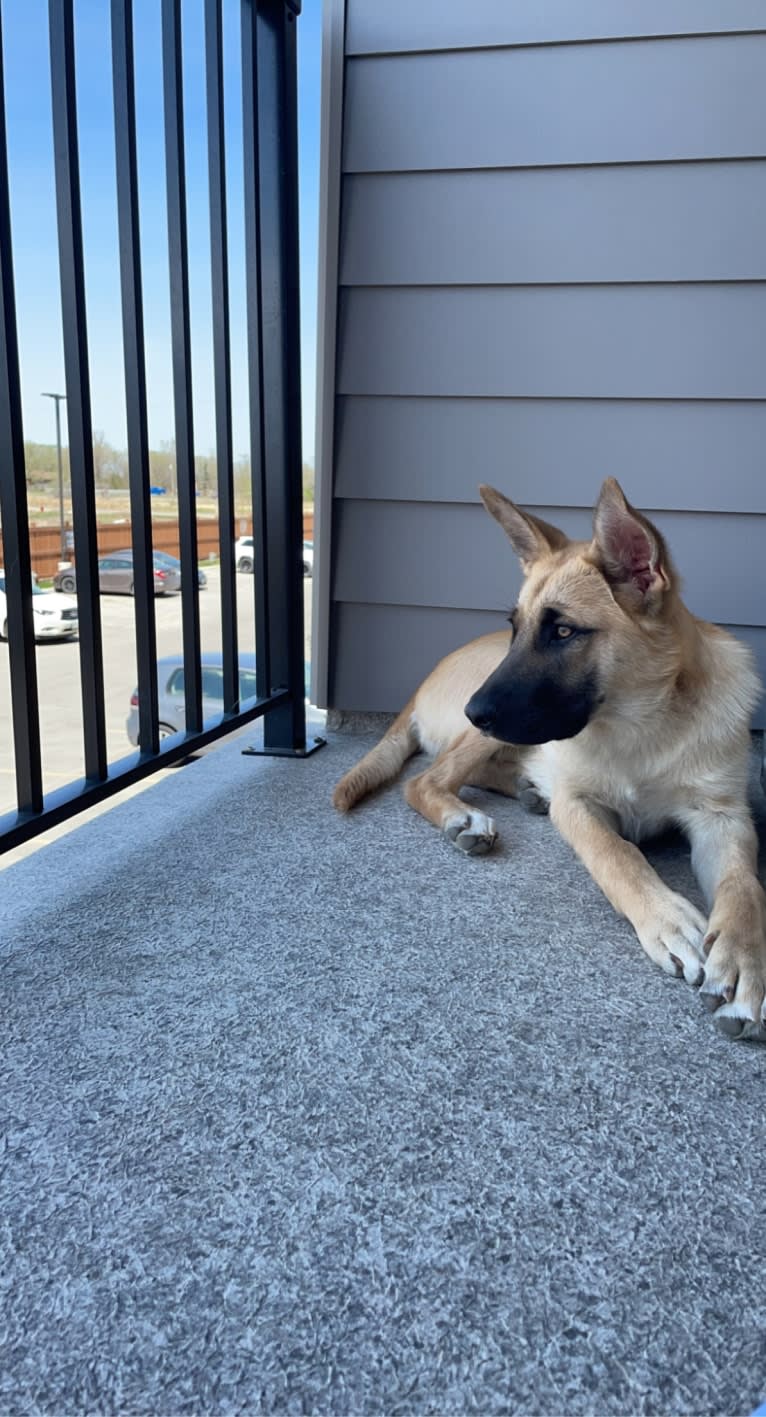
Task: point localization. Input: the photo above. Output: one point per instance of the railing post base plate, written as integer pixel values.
(306, 752)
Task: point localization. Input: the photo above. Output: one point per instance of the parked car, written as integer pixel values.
(172, 563)
(170, 685)
(115, 575)
(244, 556)
(243, 553)
(54, 617)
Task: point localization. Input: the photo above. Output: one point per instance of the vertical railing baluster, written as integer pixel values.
(254, 345)
(277, 176)
(67, 171)
(221, 346)
(288, 725)
(17, 565)
(123, 75)
(181, 346)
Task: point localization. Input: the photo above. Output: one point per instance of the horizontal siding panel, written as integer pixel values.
(457, 557)
(409, 640)
(674, 341)
(383, 652)
(696, 456)
(396, 25)
(645, 101)
(648, 222)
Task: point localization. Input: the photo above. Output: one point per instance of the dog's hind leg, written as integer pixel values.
(434, 793)
(382, 764)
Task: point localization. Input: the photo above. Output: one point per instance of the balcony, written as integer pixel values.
(303, 1113)
(306, 1113)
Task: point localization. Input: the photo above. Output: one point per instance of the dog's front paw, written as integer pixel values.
(672, 933)
(471, 832)
(734, 987)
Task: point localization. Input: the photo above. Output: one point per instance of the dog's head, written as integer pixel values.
(582, 628)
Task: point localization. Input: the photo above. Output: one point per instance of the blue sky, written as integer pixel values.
(28, 105)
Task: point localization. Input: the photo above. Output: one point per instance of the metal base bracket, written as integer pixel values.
(285, 752)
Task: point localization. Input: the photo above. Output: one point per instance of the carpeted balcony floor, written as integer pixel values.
(311, 1114)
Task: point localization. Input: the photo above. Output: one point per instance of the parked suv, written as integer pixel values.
(244, 555)
(55, 617)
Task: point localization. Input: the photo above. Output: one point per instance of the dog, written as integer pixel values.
(621, 714)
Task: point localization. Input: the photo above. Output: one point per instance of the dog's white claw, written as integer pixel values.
(734, 1019)
(733, 1015)
(735, 987)
(471, 832)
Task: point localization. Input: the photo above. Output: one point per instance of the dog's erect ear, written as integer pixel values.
(529, 536)
(629, 549)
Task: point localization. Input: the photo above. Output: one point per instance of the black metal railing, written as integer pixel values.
(273, 342)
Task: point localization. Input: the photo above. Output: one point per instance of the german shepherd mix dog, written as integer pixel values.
(617, 710)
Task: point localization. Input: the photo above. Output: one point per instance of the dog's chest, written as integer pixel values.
(643, 803)
(641, 811)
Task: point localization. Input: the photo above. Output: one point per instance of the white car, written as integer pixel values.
(243, 555)
(55, 616)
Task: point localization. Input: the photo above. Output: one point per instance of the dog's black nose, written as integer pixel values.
(480, 714)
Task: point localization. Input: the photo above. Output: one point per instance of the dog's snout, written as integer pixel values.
(479, 713)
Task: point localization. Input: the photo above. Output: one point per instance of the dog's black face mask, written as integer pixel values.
(546, 687)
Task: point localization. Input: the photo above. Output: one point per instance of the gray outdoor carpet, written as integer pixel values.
(305, 1114)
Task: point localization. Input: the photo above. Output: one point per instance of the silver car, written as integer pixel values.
(164, 559)
(115, 575)
(170, 685)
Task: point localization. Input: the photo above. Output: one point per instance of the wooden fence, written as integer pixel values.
(45, 541)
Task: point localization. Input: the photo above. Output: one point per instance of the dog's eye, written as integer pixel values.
(563, 632)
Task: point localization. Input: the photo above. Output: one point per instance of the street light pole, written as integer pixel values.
(62, 534)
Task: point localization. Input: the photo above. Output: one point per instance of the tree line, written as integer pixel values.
(110, 467)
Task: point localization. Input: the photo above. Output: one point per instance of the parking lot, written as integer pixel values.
(58, 671)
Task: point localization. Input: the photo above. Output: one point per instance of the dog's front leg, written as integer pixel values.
(433, 793)
(668, 926)
(724, 857)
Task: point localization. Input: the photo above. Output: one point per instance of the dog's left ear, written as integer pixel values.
(630, 551)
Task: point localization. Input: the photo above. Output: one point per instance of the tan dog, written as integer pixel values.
(624, 714)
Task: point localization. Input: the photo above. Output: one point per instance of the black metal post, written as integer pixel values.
(67, 172)
(221, 348)
(123, 76)
(13, 507)
(181, 347)
(276, 206)
(250, 148)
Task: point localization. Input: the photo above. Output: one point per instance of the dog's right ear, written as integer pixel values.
(529, 536)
